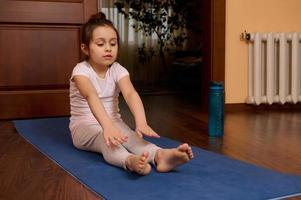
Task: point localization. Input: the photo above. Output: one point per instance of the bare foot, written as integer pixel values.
(138, 164)
(168, 159)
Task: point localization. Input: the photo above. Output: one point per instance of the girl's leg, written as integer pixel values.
(90, 138)
(136, 144)
(164, 159)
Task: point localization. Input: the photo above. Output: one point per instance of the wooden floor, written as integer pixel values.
(269, 138)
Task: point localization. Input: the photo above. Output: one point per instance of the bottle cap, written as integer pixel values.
(216, 86)
(217, 83)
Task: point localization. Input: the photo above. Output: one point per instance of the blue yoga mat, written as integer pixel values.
(207, 176)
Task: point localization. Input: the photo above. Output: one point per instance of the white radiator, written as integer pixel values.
(274, 68)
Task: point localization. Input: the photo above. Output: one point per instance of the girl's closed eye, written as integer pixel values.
(100, 44)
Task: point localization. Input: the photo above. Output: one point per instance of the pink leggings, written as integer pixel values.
(89, 137)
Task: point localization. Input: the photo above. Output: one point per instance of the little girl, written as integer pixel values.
(95, 122)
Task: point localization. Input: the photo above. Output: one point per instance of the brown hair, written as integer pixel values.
(96, 20)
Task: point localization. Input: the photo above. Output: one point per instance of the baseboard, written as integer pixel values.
(244, 106)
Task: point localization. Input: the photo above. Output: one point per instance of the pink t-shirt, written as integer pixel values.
(107, 90)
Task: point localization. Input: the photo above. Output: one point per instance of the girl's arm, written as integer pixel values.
(134, 102)
(87, 90)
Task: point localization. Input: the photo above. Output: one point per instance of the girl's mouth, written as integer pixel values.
(108, 56)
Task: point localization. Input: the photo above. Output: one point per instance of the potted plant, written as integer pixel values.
(167, 19)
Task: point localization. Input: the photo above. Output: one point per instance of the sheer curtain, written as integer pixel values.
(145, 74)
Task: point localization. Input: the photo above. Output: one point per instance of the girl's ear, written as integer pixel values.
(84, 49)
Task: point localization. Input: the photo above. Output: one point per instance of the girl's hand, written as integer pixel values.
(146, 130)
(113, 137)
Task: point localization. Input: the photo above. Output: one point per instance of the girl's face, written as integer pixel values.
(103, 47)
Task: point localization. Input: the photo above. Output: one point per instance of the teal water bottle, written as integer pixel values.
(216, 109)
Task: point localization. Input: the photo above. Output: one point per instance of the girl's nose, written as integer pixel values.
(108, 48)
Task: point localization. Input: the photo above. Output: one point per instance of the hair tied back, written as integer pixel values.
(97, 17)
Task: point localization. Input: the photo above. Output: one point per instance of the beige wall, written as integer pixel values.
(253, 16)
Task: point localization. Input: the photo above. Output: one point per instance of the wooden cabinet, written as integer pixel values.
(39, 46)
